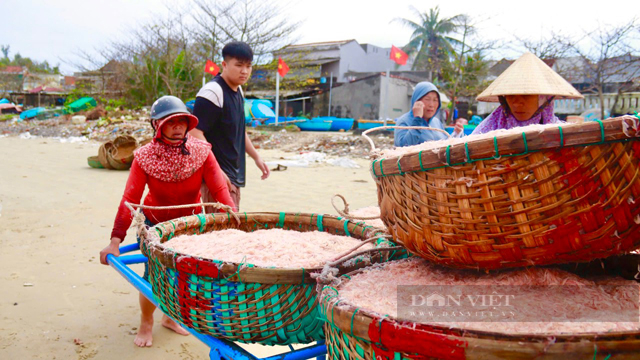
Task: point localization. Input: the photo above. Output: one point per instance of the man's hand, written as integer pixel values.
(226, 179)
(263, 167)
(418, 109)
(458, 128)
(113, 248)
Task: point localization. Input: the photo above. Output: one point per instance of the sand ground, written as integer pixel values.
(56, 215)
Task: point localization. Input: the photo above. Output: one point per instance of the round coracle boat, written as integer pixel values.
(534, 195)
(241, 301)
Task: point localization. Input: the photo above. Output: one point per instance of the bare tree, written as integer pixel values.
(612, 62)
(552, 47)
(167, 54)
(261, 24)
(466, 70)
(5, 50)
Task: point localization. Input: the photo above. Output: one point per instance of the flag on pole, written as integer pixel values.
(399, 56)
(283, 68)
(211, 68)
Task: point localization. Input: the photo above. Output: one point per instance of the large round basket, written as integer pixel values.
(537, 197)
(120, 156)
(242, 302)
(356, 334)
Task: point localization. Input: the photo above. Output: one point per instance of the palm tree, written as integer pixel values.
(430, 43)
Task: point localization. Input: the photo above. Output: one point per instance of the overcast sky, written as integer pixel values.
(56, 30)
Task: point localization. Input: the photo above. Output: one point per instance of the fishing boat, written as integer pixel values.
(337, 124)
(318, 125)
(369, 124)
(31, 113)
(260, 110)
(284, 120)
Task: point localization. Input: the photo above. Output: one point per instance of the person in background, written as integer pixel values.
(425, 104)
(219, 107)
(172, 166)
(461, 121)
(525, 99)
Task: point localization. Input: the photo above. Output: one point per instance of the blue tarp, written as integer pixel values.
(190, 104)
(475, 120)
(81, 104)
(5, 101)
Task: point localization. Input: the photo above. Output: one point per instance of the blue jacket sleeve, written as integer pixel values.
(408, 137)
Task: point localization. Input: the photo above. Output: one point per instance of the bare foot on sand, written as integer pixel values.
(144, 337)
(172, 325)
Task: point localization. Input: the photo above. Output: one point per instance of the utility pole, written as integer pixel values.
(330, 86)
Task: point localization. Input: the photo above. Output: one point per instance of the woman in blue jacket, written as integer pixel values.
(425, 104)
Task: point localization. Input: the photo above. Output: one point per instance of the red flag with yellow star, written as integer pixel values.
(283, 68)
(211, 68)
(399, 56)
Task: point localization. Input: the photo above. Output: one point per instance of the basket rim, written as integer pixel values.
(113, 153)
(360, 320)
(506, 145)
(248, 272)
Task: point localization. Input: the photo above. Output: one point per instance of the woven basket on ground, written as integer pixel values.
(353, 333)
(356, 334)
(242, 302)
(120, 156)
(94, 162)
(564, 194)
(103, 152)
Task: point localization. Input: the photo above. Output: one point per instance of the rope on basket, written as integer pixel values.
(345, 213)
(373, 146)
(634, 124)
(330, 270)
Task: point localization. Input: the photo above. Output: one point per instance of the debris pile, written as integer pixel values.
(136, 123)
(343, 144)
(104, 128)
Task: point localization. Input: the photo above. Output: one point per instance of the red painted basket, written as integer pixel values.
(563, 194)
(354, 333)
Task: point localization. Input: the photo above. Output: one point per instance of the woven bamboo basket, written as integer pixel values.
(242, 302)
(564, 194)
(103, 152)
(120, 156)
(357, 334)
(94, 162)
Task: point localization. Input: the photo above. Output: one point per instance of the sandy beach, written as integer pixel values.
(56, 215)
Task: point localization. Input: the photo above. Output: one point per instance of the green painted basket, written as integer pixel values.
(94, 162)
(243, 302)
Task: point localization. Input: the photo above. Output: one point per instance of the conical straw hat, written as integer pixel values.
(529, 76)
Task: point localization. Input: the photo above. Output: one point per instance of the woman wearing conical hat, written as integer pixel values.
(525, 91)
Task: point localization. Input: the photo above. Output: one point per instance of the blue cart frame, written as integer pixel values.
(220, 349)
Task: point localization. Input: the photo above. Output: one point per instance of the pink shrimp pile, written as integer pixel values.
(266, 248)
(376, 289)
